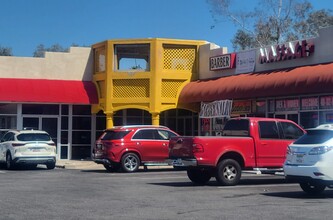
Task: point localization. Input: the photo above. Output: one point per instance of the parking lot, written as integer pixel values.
(152, 194)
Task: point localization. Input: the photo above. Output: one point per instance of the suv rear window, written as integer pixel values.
(315, 137)
(114, 135)
(33, 137)
(236, 128)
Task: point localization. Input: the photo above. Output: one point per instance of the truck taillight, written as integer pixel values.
(197, 148)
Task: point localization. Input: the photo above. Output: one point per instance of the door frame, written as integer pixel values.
(40, 118)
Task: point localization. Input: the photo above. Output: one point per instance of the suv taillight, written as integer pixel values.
(197, 148)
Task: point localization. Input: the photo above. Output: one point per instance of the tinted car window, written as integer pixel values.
(33, 137)
(315, 137)
(236, 128)
(268, 130)
(290, 131)
(8, 137)
(165, 135)
(114, 135)
(145, 134)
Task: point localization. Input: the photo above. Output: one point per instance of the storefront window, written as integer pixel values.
(35, 109)
(309, 119)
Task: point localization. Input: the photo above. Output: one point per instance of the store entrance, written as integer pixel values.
(45, 123)
(290, 116)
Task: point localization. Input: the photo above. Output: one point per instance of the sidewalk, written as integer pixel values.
(79, 165)
(91, 165)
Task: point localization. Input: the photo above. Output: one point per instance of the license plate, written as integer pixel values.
(299, 158)
(39, 149)
(178, 162)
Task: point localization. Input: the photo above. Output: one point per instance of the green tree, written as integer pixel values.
(271, 21)
(5, 51)
(41, 49)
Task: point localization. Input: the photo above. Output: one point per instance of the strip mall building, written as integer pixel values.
(190, 86)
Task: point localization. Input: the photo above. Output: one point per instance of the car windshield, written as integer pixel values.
(315, 137)
(114, 135)
(33, 137)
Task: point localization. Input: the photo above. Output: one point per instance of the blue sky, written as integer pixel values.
(24, 24)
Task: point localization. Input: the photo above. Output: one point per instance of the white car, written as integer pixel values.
(310, 159)
(27, 147)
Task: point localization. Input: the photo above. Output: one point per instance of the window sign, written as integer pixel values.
(309, 103)
(326, 102)
(286, 105)
(241, 107)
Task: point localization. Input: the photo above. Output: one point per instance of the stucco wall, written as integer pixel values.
(77, 64)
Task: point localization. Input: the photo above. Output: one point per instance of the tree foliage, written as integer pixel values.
(41, 49)
(5, 51)
(271, 21)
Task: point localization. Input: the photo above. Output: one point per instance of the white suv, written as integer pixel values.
(27, 147)
(310, 159)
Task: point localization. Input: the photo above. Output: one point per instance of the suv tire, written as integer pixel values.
(50, 165)
(312, 188)
(130, 162)
(9, 162)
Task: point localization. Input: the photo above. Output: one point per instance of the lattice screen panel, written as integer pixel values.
(178, 58)
(170, 88)
(131, 88)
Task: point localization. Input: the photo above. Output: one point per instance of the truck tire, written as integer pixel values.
(111, 167)
(198, 176)
(130, 162)
(312, 188)
(228, 172)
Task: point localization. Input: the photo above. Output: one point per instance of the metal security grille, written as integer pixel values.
(170, 88)
(177, 57)
(131, 88)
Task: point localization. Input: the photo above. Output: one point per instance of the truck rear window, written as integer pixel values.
(236, 128)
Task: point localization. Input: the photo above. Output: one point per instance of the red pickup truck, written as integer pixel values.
(247, 143)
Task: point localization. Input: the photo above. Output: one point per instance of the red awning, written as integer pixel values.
(296, 81)
(48, 91)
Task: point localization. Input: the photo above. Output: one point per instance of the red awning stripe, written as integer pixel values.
(48, 91)
(296, 81)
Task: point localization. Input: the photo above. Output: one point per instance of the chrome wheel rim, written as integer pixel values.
(229, 172)
(131, 163)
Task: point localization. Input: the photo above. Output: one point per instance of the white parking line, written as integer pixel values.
(2, 172)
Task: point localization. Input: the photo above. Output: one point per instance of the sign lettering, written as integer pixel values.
(289, 51)
(225, 61)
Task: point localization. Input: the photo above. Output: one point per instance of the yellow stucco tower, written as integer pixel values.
(145, 74)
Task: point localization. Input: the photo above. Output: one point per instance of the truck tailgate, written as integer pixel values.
(181, 147)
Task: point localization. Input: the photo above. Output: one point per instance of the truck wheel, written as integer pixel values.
(111, 168)
(130, 162)
(312, 188)
(228, 172)
(199, 176)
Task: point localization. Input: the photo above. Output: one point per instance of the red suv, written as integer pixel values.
(128, 147)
